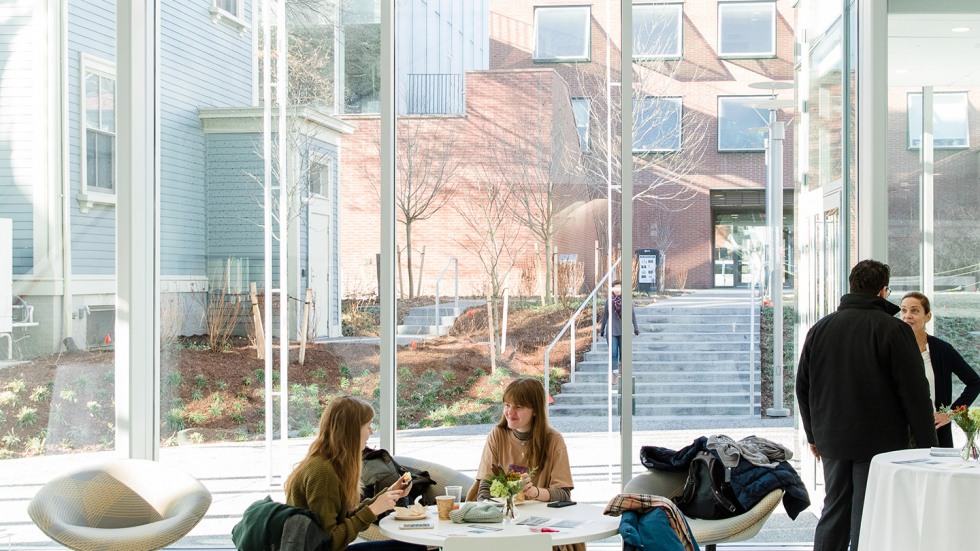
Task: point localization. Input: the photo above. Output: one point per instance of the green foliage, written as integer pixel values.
(222, 385)
(344, 370)
(197, 394)
(197, 418)
(93, 408)
(789, 363)
(216, 409)
(200, 381)
(42, 393)
(174, 378)
(8, 398)
(68, 395)
(175, 419)
(320, 373)
(10, 439)
(17, 386)
(27, 416)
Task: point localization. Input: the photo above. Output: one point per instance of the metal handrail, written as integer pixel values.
(454, 261)
(571, 321)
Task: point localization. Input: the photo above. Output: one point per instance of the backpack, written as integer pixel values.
(380, 471)
(708, 493)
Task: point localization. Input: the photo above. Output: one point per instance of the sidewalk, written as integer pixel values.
(236, 472)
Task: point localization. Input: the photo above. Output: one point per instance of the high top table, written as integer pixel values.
(594, 525)
(917, 502)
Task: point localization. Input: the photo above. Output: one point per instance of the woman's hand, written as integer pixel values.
(401, 486)
(941, 419)
(385, 502)
(528, 486)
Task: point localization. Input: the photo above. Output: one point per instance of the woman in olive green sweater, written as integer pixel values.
(328, 480)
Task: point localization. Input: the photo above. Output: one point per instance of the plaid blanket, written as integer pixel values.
(644, 503)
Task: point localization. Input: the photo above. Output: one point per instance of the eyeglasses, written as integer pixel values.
(888, 292)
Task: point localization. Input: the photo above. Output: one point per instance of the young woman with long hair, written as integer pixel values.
(524, 439)
(328, 480)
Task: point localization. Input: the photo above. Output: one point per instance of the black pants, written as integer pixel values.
(846, 482)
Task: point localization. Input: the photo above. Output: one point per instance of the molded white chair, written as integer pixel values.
(524, 542)
(707, 532)
(130, 504)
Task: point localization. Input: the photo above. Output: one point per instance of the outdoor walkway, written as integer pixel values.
(235, 473)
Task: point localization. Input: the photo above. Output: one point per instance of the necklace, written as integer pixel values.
(523, 438)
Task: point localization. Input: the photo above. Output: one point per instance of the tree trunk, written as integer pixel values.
(549, 267)
(408, 259)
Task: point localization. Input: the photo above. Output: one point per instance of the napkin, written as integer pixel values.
(472, 511)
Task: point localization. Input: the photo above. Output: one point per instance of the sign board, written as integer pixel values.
(648, 265)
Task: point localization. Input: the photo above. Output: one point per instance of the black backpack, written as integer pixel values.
(708, 493)
(380, 471)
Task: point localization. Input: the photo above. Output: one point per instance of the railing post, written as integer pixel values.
(547, 373)
(456, 290)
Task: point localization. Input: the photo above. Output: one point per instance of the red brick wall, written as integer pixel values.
(524, 111)
(699, 78)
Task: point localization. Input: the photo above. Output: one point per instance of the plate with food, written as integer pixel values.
(415, 512)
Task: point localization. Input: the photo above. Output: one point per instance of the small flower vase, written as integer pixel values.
(970, 451)
(510, 509)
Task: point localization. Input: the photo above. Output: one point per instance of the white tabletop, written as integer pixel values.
(919, 502)
(594, 525)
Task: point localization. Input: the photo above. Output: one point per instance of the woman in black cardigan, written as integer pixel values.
(944, 360)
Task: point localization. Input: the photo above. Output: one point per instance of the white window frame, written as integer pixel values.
(638, 130)
(678, 50)
(325, 168)
(91, 196)
(583, 127)
(586, 54)
(763, 121)
(914, 123)
(235, 20)
(724, 6)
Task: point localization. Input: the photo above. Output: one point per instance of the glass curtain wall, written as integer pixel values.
(932, 129)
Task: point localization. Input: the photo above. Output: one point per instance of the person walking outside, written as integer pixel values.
(861, 386)
(614, 323)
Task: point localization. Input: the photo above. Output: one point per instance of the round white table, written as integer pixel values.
(594, 525)
(917, 502)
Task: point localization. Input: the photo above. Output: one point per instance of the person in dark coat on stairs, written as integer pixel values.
(612, 327)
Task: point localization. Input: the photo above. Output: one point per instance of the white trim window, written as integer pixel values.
(562, 33)
(746, 29)
(582, 108)
(950, 120)
(98, 132)
(232, 12)
(738, 124)
(321, 176)
(658, 31)
(657, 121)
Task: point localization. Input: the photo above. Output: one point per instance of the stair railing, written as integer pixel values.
(454, 262)
(571, 322)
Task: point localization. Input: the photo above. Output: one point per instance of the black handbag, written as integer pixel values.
(708, 493)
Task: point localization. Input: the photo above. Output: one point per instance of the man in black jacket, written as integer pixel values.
(861, 387)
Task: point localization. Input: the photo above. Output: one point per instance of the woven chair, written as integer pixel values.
(130, 504)
(441, 475)
(707, 532)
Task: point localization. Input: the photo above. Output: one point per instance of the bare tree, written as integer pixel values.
(427, 165)
(491, 236)
(539, 160)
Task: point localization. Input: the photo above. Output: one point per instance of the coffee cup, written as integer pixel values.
(444, 504)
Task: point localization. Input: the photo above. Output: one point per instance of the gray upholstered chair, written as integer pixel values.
(126, 504)
(441, 475)
(707, 532)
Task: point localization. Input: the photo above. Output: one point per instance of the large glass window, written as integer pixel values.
(562, 33)
(658, 124)
(746, 29)
(950, 115)
(740, 127)
(658, 31)
(99, 107)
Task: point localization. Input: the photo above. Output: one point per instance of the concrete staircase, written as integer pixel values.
(692, 359)
(423, 322)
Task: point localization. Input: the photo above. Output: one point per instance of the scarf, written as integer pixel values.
(617, 302)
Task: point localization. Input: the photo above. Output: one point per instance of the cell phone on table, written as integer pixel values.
(561, 503)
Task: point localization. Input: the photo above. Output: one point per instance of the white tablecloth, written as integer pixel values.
(916, 502)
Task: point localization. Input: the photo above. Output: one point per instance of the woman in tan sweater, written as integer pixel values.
(328, 480)
(523, 440)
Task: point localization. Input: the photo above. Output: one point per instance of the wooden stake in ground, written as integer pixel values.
(493, 348)
(306, 326)
(253, 296)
